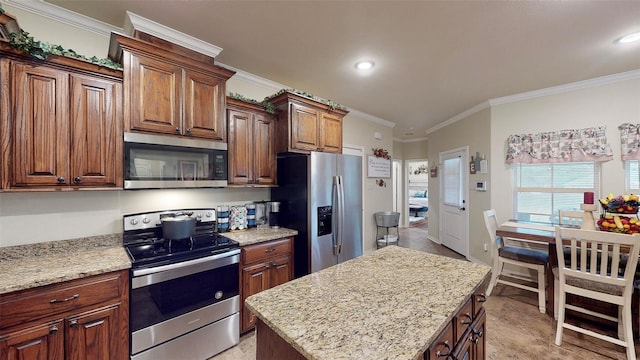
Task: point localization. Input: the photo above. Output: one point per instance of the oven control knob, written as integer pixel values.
(146, 220)
(218, 295)
(134, 221)
(208, 214)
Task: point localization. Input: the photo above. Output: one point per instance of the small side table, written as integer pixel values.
(384, 221)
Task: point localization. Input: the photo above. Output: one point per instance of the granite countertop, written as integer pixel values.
(258, 235)
(389, 304)
(27, 266)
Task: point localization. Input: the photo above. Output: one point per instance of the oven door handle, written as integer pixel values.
(158, 274)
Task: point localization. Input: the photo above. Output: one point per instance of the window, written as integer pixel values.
(632, 173)
(543, 189)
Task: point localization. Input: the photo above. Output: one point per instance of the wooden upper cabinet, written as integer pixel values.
(95, 132)
(204, 106)
(252, 156)
(60, 126)
(330, 138)
(169, 92)
(306, 125)
(155, 90)
(40, 133)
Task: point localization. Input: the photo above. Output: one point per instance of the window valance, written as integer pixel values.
(630, 141)
(589, 144)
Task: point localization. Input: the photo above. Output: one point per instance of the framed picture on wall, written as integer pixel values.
(378, 167)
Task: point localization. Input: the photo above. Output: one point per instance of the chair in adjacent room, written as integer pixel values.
(522, 257)
(570, 218)
(607, 277)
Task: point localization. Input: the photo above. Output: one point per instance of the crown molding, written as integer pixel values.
(134, 22)
(473, 110)
(410, 140)
(577, 85)
(64, 16)
(249, 77)
(573, 86)
(364, 116)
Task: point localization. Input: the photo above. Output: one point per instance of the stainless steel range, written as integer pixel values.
(184, 301)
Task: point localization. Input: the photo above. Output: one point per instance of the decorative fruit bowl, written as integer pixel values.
(621, 204)
(619, 224)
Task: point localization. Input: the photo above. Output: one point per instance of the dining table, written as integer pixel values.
(535, 232)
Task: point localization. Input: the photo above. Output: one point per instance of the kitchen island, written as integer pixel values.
(394, 303)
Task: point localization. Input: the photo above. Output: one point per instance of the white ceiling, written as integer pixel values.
(434, 59)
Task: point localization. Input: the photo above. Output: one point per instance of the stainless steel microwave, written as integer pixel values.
(157, 162)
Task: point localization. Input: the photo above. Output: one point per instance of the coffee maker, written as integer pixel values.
(274, 213)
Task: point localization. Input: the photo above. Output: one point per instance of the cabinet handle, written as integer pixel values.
(55, 301)
(467, 322)
(256, 181)
(73, 323)
(60, 179)
(481, 298)
(442, 354)
(178, 129)
(53, 330)
(95, 323)
(475, 337)
(77, 179)
(270, 250)
(188, 130)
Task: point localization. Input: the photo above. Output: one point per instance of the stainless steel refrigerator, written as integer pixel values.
(321, 197)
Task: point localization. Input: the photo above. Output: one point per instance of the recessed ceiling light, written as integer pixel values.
(629, 38)
(364, 65)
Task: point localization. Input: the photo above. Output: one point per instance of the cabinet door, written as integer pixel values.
(40, 135)
(240, 147)
(94, 335)
(96, 141)
(204, 102)
(254, 280)
(281, 271)
(155, 96)
(330, 133)
(304, 128)
(39, 342)
(264, 156)
(479, 339)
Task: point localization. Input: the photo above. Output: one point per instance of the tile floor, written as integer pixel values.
(516, 330)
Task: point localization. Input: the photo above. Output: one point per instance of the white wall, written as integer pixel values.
(607, 104)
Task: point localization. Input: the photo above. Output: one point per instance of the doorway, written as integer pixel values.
(454, 192)
(417, 195)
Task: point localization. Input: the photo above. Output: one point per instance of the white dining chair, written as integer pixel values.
(601, 265)
(523, 257)
(570, 217)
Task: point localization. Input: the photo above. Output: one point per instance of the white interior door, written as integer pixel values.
(454, 219)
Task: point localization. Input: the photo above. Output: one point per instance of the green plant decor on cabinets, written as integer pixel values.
(268, 107)
(24, 42)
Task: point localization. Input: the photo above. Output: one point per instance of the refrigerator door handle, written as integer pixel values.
(335, 200)
(341, 213)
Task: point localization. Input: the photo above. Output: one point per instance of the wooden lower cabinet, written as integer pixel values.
(464, 337)
(264, 266)
(75, 320)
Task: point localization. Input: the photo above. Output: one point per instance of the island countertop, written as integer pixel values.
(389, 304)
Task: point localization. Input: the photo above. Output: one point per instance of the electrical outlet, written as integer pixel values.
(486, 247)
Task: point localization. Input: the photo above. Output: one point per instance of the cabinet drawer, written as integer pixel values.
(463, 319)
(266, 250)
(59, 298)
(441, 348)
